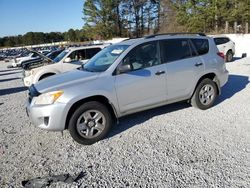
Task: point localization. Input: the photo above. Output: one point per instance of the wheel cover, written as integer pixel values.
(207, 94)
(91, 124)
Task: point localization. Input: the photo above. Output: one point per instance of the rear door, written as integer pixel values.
(145, 84)
(183, 66)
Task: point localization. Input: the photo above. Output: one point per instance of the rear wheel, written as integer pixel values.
(229, 56)
(90, 123)
(204, 95)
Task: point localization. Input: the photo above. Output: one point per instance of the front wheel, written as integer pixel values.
(90, 123)
(204, 95)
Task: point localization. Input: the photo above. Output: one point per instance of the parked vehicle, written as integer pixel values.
(125, 78)
(54, 54)
(68, 59)
(226, 46)
(41, 59)
(44, 52)
(18, 61)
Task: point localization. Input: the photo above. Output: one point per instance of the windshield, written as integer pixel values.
(61, 56)
(105, 58)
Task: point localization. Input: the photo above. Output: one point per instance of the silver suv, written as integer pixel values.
(125, 78)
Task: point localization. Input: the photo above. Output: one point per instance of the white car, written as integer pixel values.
(44, 52)
(67, 60)
(18, 61)
(226, 46)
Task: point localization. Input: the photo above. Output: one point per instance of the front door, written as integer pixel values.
(145, 84)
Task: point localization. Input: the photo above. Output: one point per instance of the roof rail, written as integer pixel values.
(184, 33)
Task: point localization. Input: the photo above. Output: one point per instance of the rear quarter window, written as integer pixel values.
(221, 40)
(201, 46)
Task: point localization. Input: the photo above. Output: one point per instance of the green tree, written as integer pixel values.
(99, 18)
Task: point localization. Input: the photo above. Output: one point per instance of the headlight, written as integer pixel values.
(48, 98)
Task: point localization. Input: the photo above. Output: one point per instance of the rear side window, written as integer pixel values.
(91, 52)
(221, 40)
(81, 55)
(174, 49)
(201, 45)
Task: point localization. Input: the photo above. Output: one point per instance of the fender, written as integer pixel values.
(42, 72)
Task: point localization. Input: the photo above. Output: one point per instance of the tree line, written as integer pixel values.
(32, 38)
(107, 18)
(104, 19)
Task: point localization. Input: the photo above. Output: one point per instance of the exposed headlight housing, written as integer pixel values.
(28, 73)
(48, 98)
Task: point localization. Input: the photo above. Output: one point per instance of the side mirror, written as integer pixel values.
(123, 69)
(67, 60)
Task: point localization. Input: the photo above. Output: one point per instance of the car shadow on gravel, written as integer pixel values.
(8, 79)
(140, 117)
(9, 70)
(5, 74)
(235, 59)
(12, 90)
(235, 84)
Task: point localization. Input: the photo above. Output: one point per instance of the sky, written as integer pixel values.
(22, 16)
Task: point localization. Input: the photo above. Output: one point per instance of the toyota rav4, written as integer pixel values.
(125, 78)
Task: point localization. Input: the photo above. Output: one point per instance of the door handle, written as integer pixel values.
(159, 73)
(198, 64)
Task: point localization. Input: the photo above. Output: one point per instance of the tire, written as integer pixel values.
(229, 56)
(84, 128)
(205, 94)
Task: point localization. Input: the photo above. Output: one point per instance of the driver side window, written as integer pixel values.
(73, 56)
(77, 55)
(142, 56)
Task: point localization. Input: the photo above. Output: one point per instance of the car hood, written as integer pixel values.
(34, 63)
(40, 55)
(23, 58)
(63, 80)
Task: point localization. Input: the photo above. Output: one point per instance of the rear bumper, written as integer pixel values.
(223, 78)
(49, 117)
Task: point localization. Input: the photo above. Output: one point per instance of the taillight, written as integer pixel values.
(221, 54)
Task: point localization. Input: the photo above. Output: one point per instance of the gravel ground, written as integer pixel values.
(172, 146)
